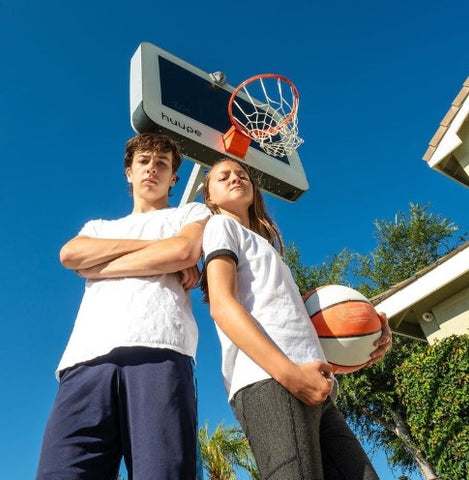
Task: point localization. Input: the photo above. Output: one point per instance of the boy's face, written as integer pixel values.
(151, 175)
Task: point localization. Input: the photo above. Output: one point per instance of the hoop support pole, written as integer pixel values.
(194, 184)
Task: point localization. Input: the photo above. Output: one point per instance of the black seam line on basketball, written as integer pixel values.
(338, 303)
(350, 336)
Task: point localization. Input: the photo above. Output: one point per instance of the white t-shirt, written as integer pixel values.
(266, 289)
(142, 311)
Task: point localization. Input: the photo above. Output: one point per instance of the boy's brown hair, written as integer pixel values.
(152, 142)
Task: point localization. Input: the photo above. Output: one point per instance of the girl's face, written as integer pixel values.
(229, 187)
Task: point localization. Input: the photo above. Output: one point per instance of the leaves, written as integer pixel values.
(434, 388)
(406, 245)
(308, 278)
(224, 450)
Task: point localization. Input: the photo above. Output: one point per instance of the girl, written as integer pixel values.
(278, 381)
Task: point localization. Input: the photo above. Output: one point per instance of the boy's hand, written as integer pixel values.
(189, 277)
(90, 273)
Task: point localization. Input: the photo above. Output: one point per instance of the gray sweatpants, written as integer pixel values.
(291, 441)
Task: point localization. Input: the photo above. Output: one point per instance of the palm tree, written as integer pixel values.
(224, 450)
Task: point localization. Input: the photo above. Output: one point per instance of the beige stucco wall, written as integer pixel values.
(450, 317)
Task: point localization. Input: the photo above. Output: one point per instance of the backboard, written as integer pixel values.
(169, 95)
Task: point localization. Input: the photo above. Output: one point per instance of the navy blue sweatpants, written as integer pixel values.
(137, 403)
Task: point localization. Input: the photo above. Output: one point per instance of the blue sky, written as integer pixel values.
(375, 79)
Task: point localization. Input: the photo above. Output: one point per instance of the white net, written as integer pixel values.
(267, 113)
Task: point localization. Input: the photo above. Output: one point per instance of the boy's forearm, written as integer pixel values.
(163, 256)
(84, 252)
(144, 258)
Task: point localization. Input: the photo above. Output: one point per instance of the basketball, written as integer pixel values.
(347, 325)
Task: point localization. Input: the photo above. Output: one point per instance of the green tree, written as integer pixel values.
(409, 243)
(368, 398)
(434, 388)
(333, 271)
(223, 451)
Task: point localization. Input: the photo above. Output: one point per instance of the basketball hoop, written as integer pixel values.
(266, 113)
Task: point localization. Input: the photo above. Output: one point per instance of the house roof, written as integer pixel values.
(441, 152)
(405, 302)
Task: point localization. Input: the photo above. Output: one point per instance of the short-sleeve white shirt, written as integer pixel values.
(267, 290)
(142, 311)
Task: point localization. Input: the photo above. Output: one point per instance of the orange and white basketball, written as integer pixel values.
(347, 325)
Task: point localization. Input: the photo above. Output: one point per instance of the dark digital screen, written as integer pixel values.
(197, 98)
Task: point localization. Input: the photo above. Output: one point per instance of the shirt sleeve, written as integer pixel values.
(91, 228)
(221, 237)
(194, 212)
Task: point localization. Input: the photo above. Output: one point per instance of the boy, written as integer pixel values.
(126, 384)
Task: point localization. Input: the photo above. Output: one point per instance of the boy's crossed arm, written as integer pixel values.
(113, 258)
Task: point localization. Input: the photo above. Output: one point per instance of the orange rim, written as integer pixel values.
(272, 130)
